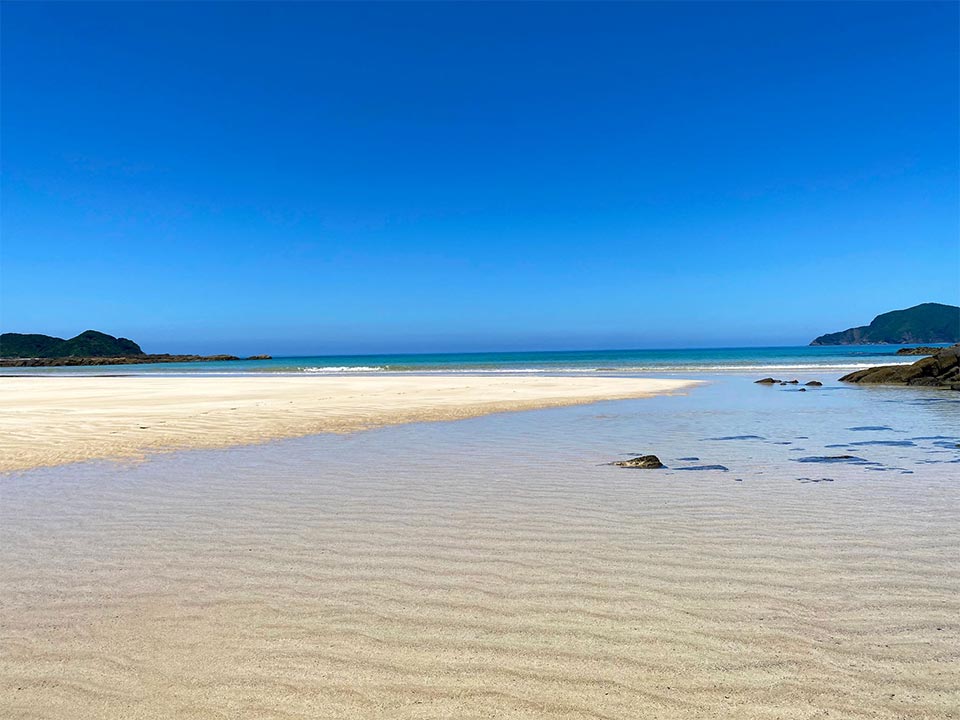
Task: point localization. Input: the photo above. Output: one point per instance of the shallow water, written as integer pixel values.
(499, 566)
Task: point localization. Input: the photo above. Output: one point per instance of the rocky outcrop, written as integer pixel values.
(940, 370)
(260, 357)
(919, 351)
(135, 360)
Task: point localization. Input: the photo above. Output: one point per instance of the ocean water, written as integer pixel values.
(834, 359)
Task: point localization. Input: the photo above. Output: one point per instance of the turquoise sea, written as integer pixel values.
(839, 359)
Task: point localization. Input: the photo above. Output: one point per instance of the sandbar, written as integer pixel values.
(62, 419)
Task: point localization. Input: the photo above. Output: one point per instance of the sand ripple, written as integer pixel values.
(465, 571)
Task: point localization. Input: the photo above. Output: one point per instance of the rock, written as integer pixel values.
(129, 360)
(260, 357)
(940, 370)
(814, 383)
(791, 382)
(645, 462)
(923, 350)
(766, 381)
(802, 390)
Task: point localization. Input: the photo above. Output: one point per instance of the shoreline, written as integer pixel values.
(56, 420)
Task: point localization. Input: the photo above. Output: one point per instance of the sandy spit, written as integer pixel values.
(56, 420)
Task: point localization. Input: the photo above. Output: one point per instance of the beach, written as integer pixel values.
(51, 420)
(497, 566)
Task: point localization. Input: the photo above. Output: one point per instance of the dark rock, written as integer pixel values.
(940, 370)
(802, 390)
(260, 357)
(923, 350)
(131, 360)
(814, 383)
(766, 381)
(645, 462)
(791, 382)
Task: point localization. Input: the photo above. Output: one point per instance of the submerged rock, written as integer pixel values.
(832, 459)
(814, 383)
(766, 381)
(721, 468)
(644, 462)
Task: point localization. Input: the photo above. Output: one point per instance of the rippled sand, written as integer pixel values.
(488, 568)
(62, 419)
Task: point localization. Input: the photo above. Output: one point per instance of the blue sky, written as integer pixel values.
(305, 178)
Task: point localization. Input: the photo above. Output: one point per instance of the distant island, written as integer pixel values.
(926, 323)
(88, 348)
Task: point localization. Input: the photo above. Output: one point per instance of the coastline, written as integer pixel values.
(47, 421)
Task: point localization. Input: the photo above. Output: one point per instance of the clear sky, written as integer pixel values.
(305, 178)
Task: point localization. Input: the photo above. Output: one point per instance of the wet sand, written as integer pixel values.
(56, 420)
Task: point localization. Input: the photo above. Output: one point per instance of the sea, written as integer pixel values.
(828, 359)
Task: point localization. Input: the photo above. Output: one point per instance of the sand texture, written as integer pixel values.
(499, 567)
(56, 420)
(493, 575)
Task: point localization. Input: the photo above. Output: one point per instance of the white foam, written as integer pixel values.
(342, 369)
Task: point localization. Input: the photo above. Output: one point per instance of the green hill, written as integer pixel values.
(87, 344)
(926, 323)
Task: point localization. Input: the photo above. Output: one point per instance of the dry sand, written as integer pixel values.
(56, 420)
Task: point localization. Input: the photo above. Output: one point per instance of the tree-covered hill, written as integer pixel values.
(926, 323)
(87, 344)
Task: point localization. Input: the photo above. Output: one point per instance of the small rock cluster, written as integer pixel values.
(774, 381)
